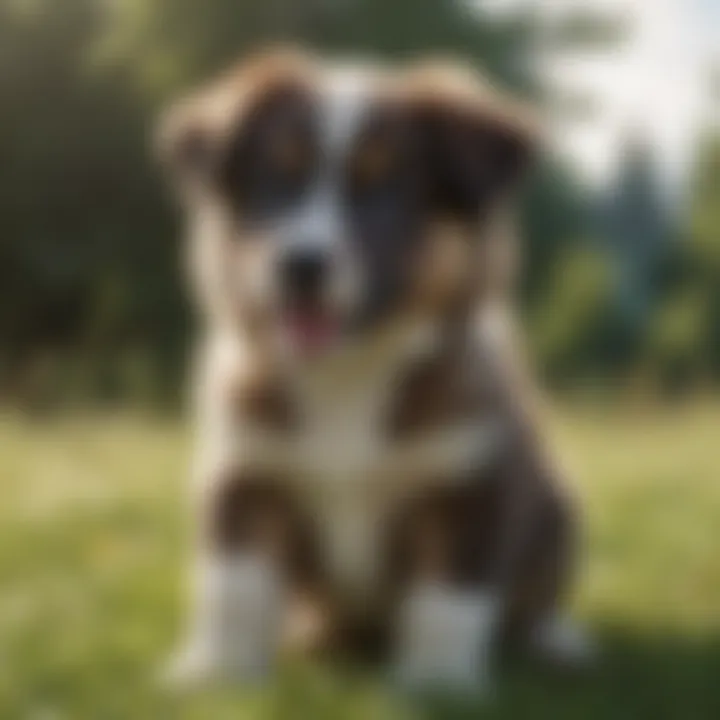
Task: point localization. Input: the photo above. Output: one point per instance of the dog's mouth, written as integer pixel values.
(311, 330)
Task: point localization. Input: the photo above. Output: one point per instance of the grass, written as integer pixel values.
(92, 540)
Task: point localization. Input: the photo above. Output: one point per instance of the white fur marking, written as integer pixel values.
(345, 101)
(446, 636)
(348, 473)
(234, 632)
(319, 223)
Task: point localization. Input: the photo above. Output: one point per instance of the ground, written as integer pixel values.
(93, 532)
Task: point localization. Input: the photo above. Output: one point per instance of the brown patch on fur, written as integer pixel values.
(250, 511)
(508, 526)
(269, 406)
(425, 397)
(432, 537)
(444, 269)
(258, 395)
(192, 133)
(439, 390)
(310, 624)
(498, 261)
(451, 85)
(427, 550)
(458, 536)
(479, 141)
(547, 565)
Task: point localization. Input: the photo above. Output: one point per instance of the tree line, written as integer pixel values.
(92, 304)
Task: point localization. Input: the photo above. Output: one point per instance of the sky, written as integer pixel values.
(654, 84)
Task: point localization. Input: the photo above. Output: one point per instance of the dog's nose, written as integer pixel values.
(303, 271)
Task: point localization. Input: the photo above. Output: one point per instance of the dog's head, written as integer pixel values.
(328, 200)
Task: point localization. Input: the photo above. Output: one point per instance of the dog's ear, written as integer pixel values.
(194, 133)
(476, 143)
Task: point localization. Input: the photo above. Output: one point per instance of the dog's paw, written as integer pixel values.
(445, 642)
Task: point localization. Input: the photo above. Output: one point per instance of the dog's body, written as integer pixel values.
(367, 456)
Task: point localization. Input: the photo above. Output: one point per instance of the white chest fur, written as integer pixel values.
(344, 469)
(353, 477)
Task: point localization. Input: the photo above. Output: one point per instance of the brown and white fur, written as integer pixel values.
(369, 473)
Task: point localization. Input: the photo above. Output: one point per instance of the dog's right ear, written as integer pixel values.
(193, 134)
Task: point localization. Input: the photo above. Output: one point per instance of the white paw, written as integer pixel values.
(234, 631)
(445, 640)
(562, 641)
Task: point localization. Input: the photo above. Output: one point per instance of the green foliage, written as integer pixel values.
(87, 265)
(684, 343)
(92, 302)
(569, 325)
(88, 259)
(677, 341)
(586, 29)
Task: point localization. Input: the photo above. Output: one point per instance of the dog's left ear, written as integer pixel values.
(476, 143)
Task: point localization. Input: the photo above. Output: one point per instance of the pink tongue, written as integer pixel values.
(311, 331)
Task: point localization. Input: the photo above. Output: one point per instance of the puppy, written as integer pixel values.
(368, 472)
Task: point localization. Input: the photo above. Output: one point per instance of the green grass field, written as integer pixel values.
(92, 540)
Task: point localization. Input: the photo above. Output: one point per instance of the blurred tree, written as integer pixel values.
(168, 43)
(79, 207)
(684, 343)
(637, 232)
(88, 271)
(584, 29)
(571, 324)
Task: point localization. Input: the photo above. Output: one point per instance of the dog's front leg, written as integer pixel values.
(238, 591)
(447, 615)
(485, 558)
(234, 625)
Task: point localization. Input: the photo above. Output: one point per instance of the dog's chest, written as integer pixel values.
(348, 472)
(352, 475)
(346, 475)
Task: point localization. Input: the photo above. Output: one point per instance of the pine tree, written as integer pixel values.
(637, 230)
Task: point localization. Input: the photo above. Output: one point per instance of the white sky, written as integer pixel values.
(656, 82)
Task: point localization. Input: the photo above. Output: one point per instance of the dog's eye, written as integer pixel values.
(278, 173)
(290, 155)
